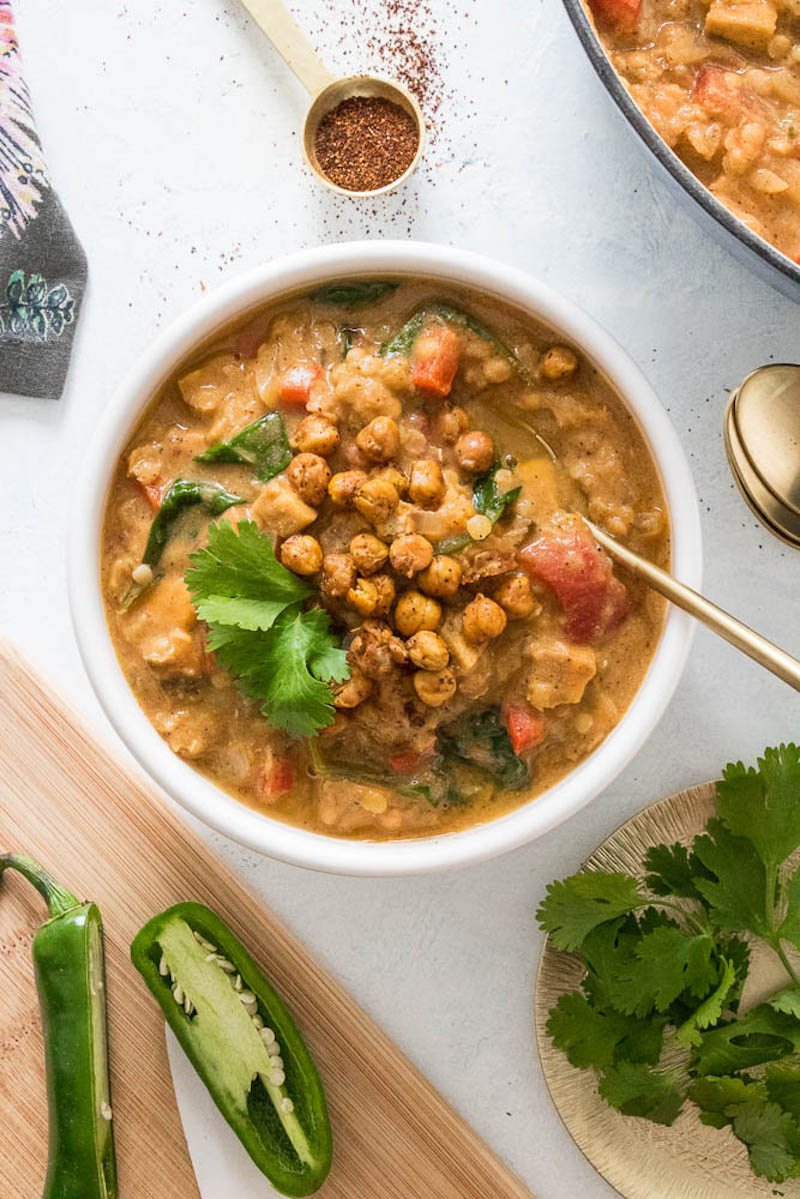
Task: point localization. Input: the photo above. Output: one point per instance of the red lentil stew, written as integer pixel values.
(720, 82)
(344, 574)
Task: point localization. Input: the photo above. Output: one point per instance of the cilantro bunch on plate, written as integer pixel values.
(666, 957)
(261, 628)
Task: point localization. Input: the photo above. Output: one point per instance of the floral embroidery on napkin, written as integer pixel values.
(23, 176)
(31, 309)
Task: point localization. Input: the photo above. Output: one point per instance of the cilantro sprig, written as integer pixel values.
(666, 956)
(281, 652)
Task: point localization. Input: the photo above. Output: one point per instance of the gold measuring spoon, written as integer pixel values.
(326, 90)
(762, 437)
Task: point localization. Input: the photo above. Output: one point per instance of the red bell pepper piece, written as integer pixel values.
(525, 726)
(622, 15)
(275, 777)
(296, 384)
(437, 353)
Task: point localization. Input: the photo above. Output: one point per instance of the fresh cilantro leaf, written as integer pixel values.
(673, 870)
(287, 669)
(638, 1090)
(240, 564)
(787, 1000)
(281, 655)
(783, 1087)
(772, 1138)
(576, 905)
(590, 1037)
(666, 962)
(584, 1034)
(719, 1098)
(710, 1010)
(763, 803)
(790, 926)
(736, 892)
(607, 950)
(736, 951)
(763, 1035)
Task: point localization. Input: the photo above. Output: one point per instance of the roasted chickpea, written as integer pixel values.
(428, 650)
(415, 611)
(515, 596)
(376, 500)
(302, 554)
(426, 483)
(410, 553)
(392, 474)
(363, 597)
(344, 485)
(386, 593)
(380, 439)
(369, 552)
(435, 688)
(354, 691)
(338, 575)
(442, 578)
(475, 452)
(483, 620)
(559, 362)
(450, 424)
(315, 434)
(309, 475)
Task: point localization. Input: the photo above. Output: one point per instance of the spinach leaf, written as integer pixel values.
(488, 500)
(262, 445)
(483, 741)
(183, 494)
(403, 340)
(359, 291)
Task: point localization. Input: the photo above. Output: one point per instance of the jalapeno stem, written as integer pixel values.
(57, 898)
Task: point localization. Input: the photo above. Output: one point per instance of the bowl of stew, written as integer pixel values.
(328, 573)
(712, 89)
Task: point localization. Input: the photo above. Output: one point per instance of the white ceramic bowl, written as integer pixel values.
(255, 829)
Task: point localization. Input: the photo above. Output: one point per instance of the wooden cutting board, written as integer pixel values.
(65, 801)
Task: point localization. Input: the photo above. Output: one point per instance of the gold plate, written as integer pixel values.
(639, 1159)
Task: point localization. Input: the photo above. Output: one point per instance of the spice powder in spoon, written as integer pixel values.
(365, 143)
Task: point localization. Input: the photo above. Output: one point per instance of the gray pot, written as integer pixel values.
(752, 251)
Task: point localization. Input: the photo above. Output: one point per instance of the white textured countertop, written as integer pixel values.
(172, 133)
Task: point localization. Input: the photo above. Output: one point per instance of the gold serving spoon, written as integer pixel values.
(762, 437)
(734, 631)
(326, 90)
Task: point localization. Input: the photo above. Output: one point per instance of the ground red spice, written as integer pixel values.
(365, 143)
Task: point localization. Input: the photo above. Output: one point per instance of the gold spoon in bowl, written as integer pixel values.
(327, 91)
(734, 631)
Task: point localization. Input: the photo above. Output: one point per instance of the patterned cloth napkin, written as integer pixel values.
(42, 264)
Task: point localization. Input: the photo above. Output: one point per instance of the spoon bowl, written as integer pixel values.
(762, 439)
(373, 86)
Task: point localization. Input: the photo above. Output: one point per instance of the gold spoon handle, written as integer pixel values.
(734, 631)
(274, 18)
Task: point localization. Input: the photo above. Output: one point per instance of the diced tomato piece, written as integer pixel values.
(296, 384)
(410, 761)
(719, 92)
(619, 14)
(275, 776)
(525, 726)
(581, 575)
(435, 361)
